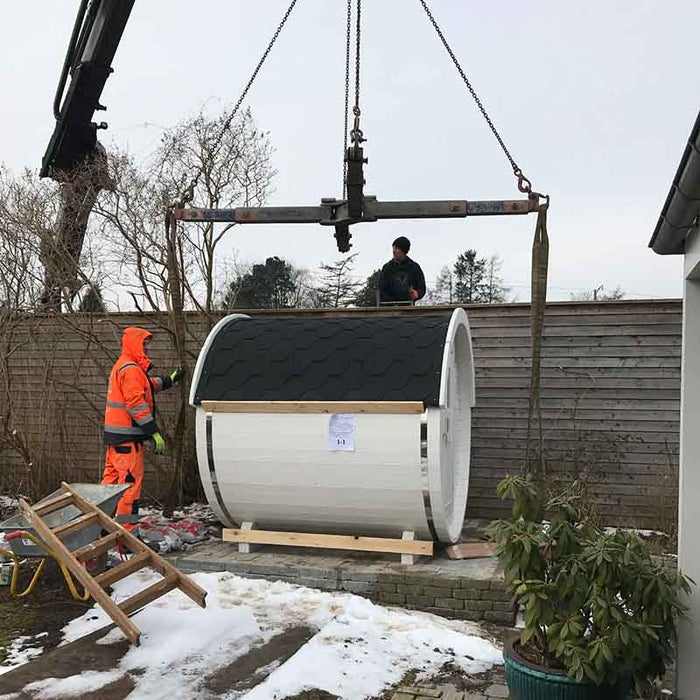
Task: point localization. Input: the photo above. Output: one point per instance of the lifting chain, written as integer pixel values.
(524, 184)
(540, 257)
(356, 135)
(358, 38)
(188, 193)
(347, 94)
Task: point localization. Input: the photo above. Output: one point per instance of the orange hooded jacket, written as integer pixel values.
(129, 413)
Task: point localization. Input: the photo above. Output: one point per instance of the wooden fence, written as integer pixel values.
(610, 400)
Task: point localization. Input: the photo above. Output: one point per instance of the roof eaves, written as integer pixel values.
(682, 206)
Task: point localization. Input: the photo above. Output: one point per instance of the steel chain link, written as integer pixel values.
(524, 185)
(347, 94)
(188, 193)
(358, 38)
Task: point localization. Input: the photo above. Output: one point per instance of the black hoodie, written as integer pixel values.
(398, 278)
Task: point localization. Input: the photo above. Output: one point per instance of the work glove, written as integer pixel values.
(158, 444)
(176, 375)
(414, 295)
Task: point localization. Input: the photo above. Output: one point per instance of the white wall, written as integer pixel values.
(688, 674)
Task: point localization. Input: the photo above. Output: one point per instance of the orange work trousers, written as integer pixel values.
(124, 465)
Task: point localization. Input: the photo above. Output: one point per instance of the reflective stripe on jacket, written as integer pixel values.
(130, 407)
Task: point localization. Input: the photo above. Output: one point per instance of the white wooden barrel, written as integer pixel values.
(345, 425)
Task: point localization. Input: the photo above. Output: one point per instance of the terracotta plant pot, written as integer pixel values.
(527, 681)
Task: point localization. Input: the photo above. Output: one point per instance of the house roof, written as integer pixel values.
(325, 359)
(682, 207)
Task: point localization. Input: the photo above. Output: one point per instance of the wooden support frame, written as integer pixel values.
(369, 407)
(384, 545)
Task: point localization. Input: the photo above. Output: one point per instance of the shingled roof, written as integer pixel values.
(325, 359)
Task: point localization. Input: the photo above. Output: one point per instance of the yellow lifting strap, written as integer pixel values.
(540, 263)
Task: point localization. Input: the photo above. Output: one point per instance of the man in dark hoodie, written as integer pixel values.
(401, 279)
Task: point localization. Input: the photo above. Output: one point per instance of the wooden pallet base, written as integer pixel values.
(408, 547)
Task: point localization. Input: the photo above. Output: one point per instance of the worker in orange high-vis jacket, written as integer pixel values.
(130, 419)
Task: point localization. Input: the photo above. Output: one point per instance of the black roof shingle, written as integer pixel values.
(325, 359)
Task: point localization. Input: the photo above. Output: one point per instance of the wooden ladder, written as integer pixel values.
(143, 556)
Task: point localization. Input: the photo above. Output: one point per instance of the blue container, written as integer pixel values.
(529, 682)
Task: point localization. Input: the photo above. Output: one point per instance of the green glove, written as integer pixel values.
(158, 444)
(176, 375)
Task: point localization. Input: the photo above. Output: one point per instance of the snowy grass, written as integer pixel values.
(359, 649)
(20, 652)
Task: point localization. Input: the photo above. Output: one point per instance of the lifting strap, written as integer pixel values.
(540, 262)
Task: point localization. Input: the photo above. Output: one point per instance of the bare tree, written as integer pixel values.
(166, 267)
(444, 290)
(599, 294)
(236, 170)
(496, 291)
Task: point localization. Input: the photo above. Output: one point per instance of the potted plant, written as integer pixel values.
(600, 612)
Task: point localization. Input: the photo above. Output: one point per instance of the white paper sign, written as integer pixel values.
(341, 432)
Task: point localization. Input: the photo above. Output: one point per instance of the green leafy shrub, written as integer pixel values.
(596, 604)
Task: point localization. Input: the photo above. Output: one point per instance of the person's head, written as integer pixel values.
(135, 343)
(400, 248)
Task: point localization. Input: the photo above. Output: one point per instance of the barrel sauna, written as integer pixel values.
(357, 424)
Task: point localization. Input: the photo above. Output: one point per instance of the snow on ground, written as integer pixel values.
(20, 652)
(359, 650)
(75, 686)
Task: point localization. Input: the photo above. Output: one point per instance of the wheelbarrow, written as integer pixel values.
(25, 543)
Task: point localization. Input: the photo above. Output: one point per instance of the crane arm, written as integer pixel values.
(97, 31)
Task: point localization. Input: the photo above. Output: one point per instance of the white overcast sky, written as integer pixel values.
(595, 100)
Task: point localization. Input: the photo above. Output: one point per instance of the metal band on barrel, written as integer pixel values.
(212, 470)
(427, 503)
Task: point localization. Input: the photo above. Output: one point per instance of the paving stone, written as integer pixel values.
(325, 584)
(419, 579)
(451, 603)
(445, 582)
(355, 586)
(471, 615)
(386, 587)
(391, 578)
(497, 691)
(420, 601)
(317, 572)
(403, 696)
(474, 696)
(368, 576)
(467, 593)
(204, 565)
(480, 605)
(498, 584)
(480, 584)
(499, 616)
(408, 589)
(436, 592)
(506, 607)
(392, 598)
(424, 691)
(494, 595)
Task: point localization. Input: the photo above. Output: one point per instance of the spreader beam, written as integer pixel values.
(332, 211)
